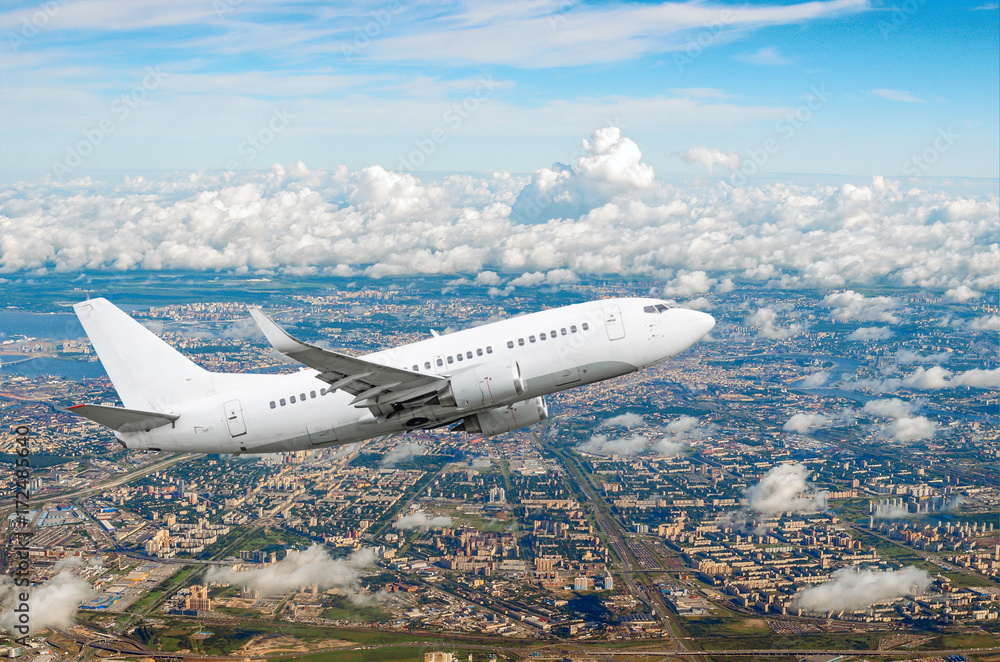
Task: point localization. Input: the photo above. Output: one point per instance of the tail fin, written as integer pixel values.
(148, 374)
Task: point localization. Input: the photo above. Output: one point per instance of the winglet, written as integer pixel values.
(275, 335)
(123, 420)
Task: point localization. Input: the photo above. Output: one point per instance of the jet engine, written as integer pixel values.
(494, 383)
(505, 419)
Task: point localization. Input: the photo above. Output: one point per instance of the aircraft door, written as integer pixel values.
(321, 432)
(440, 364)
(234, 419)
(613, 322)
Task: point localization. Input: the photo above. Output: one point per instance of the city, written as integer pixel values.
(817, 478)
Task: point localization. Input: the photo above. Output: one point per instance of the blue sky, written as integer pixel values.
(849, 87)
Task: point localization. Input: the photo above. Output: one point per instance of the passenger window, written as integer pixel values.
(563, 331)
(489, 348)
(520, 341)
(585, 326)
(312, 394)
(440, 362)
(468, 355)
(273, 405)
(415, 367)
(572, 329)
(291, 399)
(479, 351)
(531, 338)
(451, 360)
(541, 336)
(427, 365)
(510, 345)
(302, 396)
(459, 357)
(552, 333)
(282, 402)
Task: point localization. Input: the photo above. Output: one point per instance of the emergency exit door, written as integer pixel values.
(234, 419)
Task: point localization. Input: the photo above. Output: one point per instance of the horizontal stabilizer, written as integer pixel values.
(123, 420)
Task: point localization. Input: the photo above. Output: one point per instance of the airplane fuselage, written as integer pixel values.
(554, 350)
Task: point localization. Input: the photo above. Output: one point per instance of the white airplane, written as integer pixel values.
(489, 379)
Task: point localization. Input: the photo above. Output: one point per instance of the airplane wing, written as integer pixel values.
(123, 420)
(370, 383)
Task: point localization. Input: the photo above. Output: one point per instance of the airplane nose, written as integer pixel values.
(699, 323)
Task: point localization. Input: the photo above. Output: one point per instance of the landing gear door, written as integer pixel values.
(234, 419)
(613, 322)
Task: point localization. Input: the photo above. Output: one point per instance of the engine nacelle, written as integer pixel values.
(489, 384)
(505, 419)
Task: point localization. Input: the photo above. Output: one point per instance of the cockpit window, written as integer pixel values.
(649, 309)
(658, 308)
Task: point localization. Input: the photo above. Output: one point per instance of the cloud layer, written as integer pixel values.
(53, 603)
(604, 214)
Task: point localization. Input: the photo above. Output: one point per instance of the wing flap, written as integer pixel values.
(369, 382)
(123, 420)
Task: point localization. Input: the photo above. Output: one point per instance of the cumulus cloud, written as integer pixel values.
(765, 321)
(962, 294)
(937, 377)
(682, 425)
(858, 588)
(866, 333)
(402, 453)
(668, 447)
(53, 603)
(805, 423)
(906, 356)
(608, 216)
(689, 283)
(815, 380)
(986, 323)
(709, 158)
(889, 408)
(421, 520)
(601, 444)
(912, 428)
(301, 569)
(626, 420)
(783, 489)
(611, 166)
(851, 306)
(978, 378)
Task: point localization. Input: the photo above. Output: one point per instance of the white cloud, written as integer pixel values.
(421, 520)
(626, 420)
(601, 444)
(986, 323)
(766, 56)
(934, 377)
(688, 283)
(912, 428)
(906, 356)
(402, 453)
(852, 306)
(299, 570)
(709, 158)
(805, 423)
(783, 489)
(897, 95)
(682, 424)
(978, 378)
(815, 380)
(618, 221)
(765, 321)
(611, 166)
(668, 447)
(866, 333)
(889, 407)
(856, 588)
(962, 294)
(53, 603)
